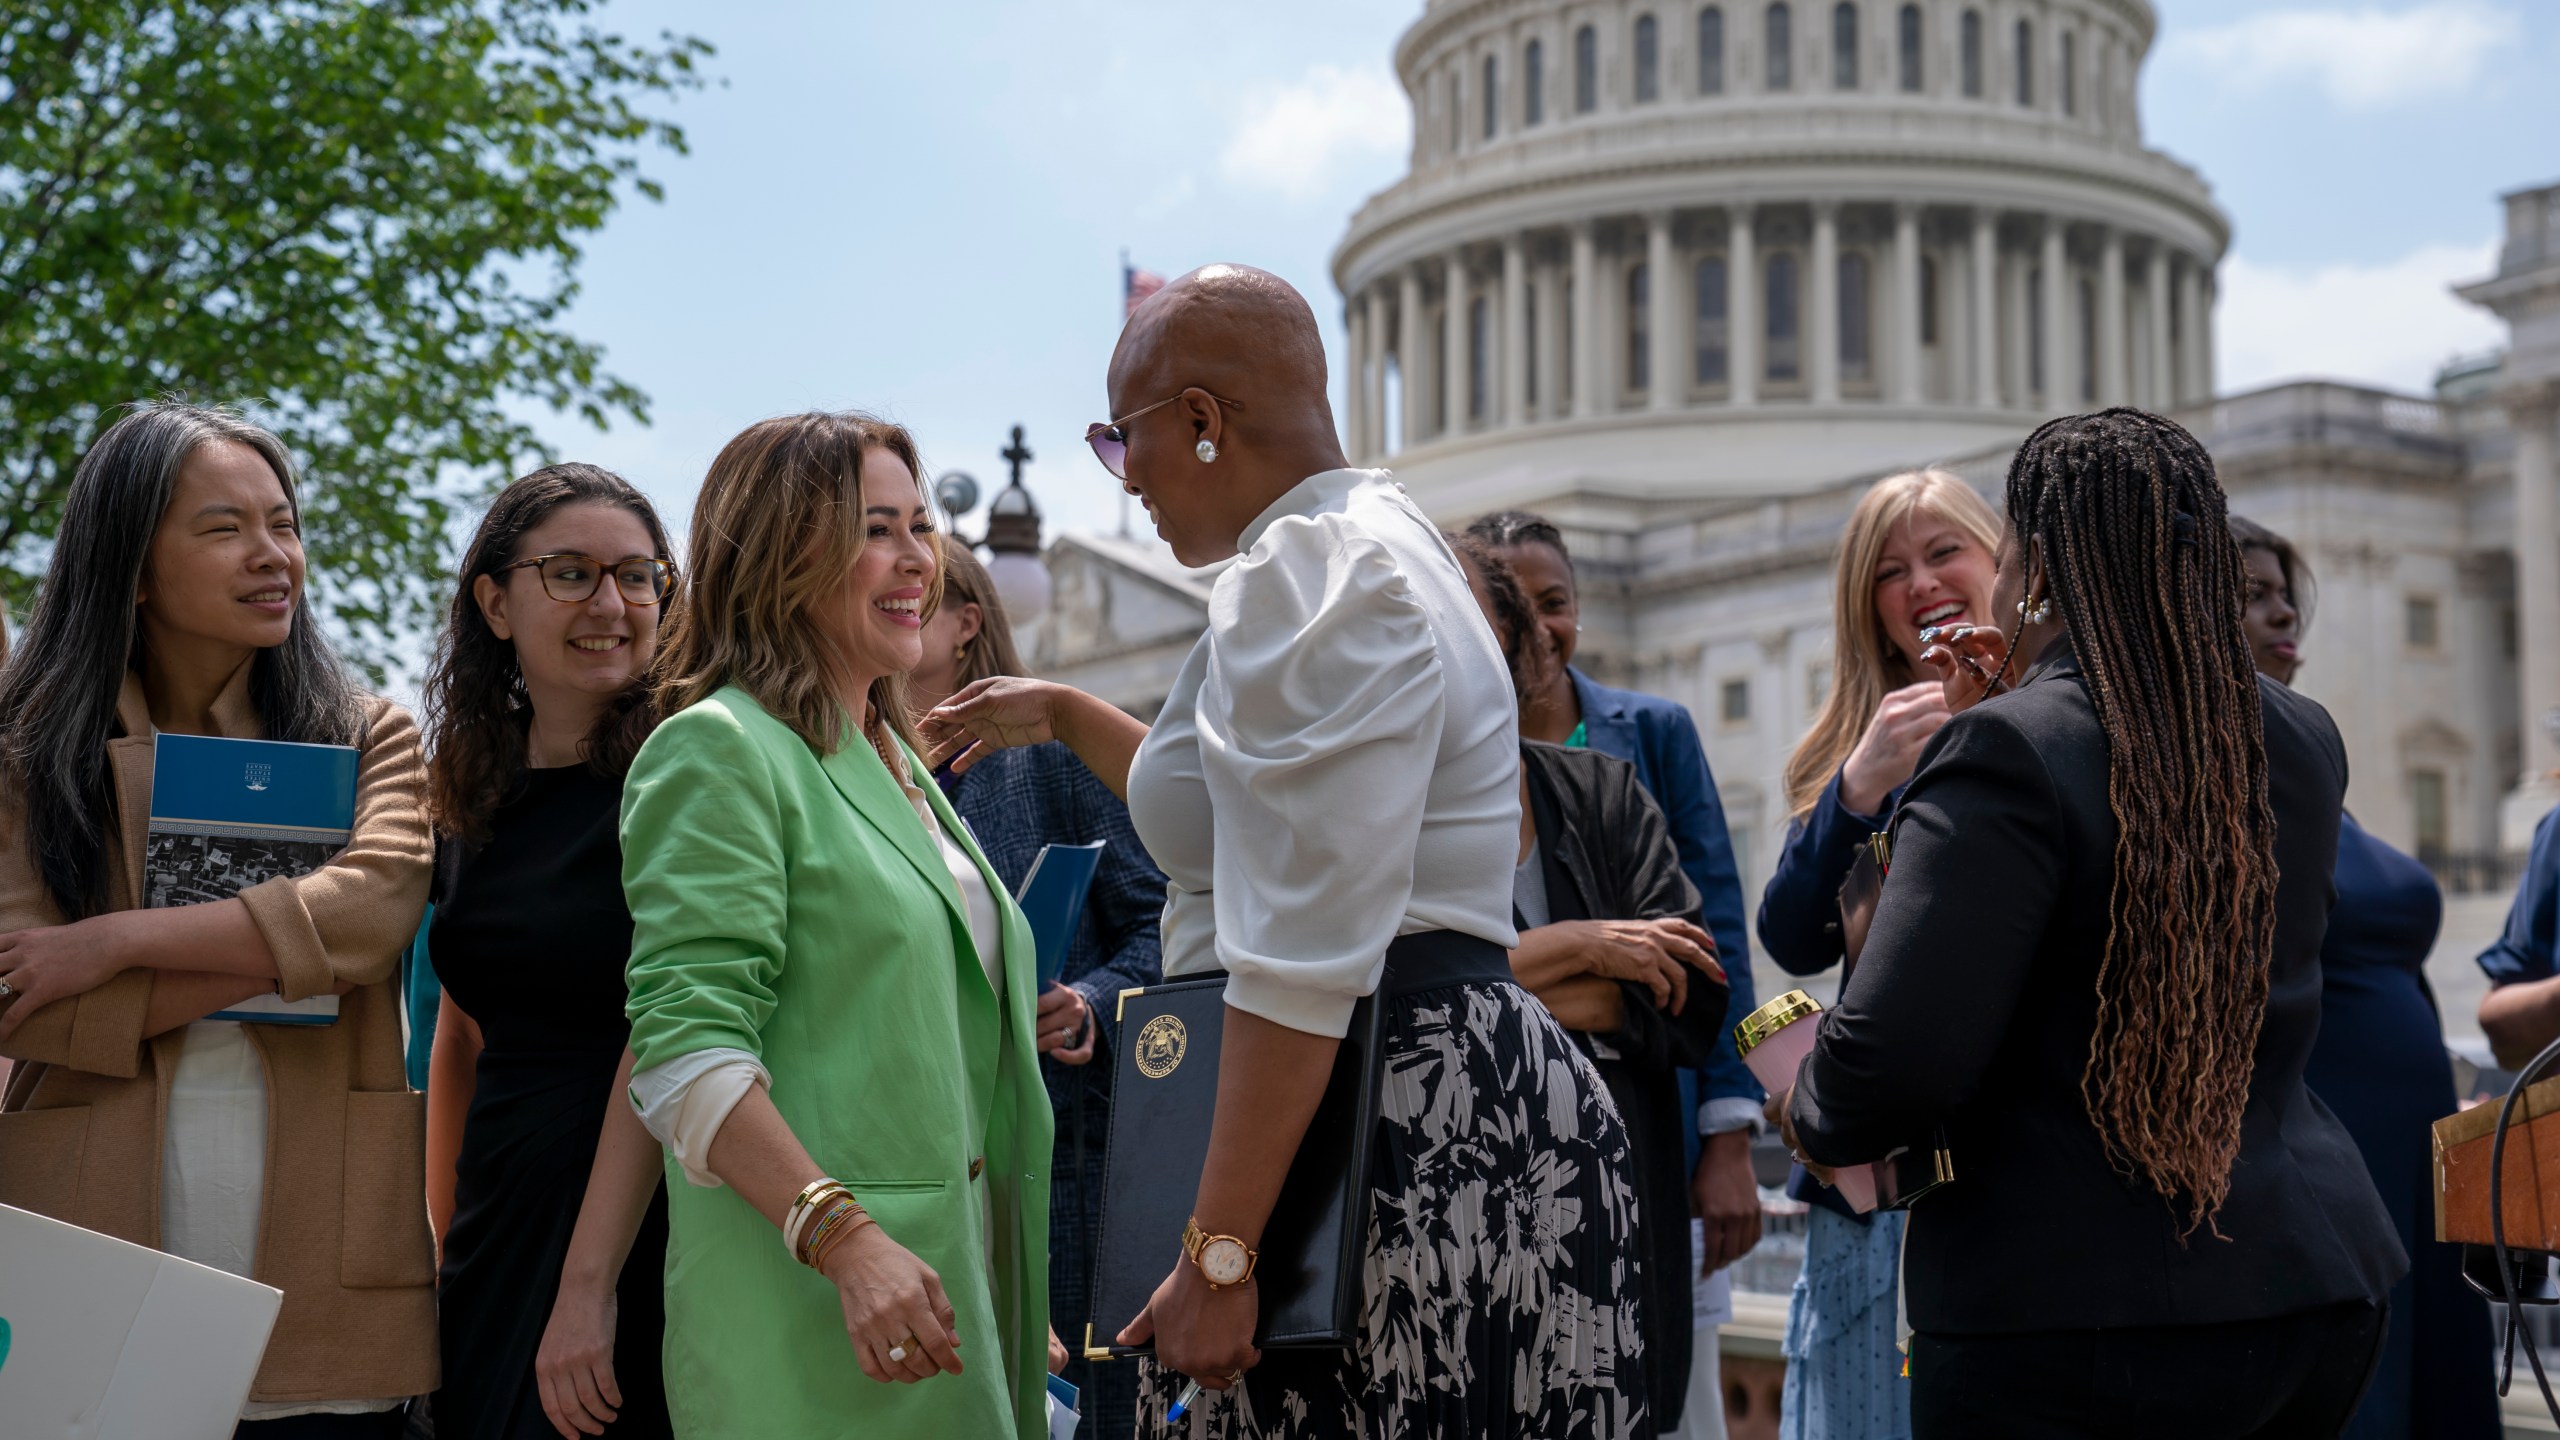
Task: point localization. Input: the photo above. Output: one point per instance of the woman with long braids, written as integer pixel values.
(2095, 967)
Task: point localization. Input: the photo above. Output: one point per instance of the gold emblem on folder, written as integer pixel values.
(1161, 1043)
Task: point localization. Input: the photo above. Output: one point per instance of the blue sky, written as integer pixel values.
(919, 209)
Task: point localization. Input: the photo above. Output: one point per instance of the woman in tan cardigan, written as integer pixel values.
(292, 1154)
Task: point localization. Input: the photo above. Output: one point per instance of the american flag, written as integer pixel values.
(1135, 286)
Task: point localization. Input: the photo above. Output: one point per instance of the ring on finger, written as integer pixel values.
(898, 1351)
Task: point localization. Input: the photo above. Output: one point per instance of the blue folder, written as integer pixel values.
(228, 814)
(1052, 899)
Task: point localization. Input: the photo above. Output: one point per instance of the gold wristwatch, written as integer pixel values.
(1224, 1260)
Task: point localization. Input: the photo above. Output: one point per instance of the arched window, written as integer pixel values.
(1639, 328)
(1928, 300)
(2088, 340)
(1529, 345)
(1786, 359)
(1857, 348)
(2035, 330)
(1457, 112)
(1479, 341)
(1492, 97)
(2026, 62)
(2070, 77)
(1711, 341)
(1972, 47)
(1844, 45)
(1908, 43)
(1648, 59)
(1533, 83)
(1586, 70)
(1780, 34)
(1711, 50)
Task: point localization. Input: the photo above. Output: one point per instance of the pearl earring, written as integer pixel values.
(1207, 451)
(2042, 611)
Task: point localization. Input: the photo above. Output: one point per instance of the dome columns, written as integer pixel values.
(1840, 303)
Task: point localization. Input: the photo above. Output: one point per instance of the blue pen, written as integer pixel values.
(1182, 1402)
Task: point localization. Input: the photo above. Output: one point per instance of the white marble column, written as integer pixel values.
(1355, 389)
(1552, 401)
(1906, 304)
(2533, 412)
(1986, 309)
(2161, 392)
(1822, 328)
(2190, 388)
(2209, 291)
(1515, 331)
(1669, 380)
(1586, 320)
(1455, 353)
(1742, 323)
(2111, 342)
(2060, 394)
(1413, 379)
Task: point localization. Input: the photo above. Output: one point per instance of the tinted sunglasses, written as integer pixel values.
(1110, 439)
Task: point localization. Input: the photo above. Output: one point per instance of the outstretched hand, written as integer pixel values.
(997, 713)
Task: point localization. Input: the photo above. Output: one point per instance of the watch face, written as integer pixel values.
(1223, 1261)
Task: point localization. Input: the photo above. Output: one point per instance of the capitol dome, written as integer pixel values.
(1678, 251)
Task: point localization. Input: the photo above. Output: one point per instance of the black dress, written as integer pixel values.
(529, 938)
(1606, 854)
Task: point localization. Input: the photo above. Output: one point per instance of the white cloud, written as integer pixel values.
(1293, 138)
(2391, 324)
(2367, 58)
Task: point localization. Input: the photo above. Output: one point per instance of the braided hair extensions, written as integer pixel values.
(2130, 522)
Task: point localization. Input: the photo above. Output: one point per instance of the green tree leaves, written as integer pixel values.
(362, 218)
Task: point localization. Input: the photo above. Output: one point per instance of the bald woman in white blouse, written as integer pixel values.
(1332, 789)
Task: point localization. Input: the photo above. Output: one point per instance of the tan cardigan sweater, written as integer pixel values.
(344, 1229)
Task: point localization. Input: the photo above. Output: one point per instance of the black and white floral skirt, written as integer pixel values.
(1501, 1288)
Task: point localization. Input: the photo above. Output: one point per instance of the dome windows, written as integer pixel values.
(1648, 60)
(1492, 96)
(1533, 83)
(1844, 45)
(1971, 47)
(1586, 70)
(1907, 48)
(1778, 29)
(2026, 62)
(1711, 50)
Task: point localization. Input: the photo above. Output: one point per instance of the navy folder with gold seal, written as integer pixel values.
(1164, 1095)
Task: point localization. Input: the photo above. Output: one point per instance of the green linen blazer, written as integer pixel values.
(790, 905)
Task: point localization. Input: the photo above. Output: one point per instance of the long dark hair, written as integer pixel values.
(477, 711)
(58, 691)
(2131, 524)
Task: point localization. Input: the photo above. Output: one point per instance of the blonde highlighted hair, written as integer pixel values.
(776, 530)
(1865, 663)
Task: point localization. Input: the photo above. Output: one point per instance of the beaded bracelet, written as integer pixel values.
(813, 1197)
(818, 1260)
(839, 1212)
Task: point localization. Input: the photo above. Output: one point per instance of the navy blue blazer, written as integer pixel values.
(1800, 911)
(1661, 741)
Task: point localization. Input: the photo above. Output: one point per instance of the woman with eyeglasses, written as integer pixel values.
(1333, 788)
(542, 1184)
(2095, 969)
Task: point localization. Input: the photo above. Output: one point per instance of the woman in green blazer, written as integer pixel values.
(831, 996)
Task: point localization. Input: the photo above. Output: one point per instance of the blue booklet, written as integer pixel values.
(229, 814)
(1052, 899)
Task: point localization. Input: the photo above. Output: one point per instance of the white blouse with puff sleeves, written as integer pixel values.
(1338, 762)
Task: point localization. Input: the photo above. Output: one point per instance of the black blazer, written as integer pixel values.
(1973, 1006)
(1607, 855)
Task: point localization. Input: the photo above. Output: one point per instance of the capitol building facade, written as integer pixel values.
(1688, 277)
